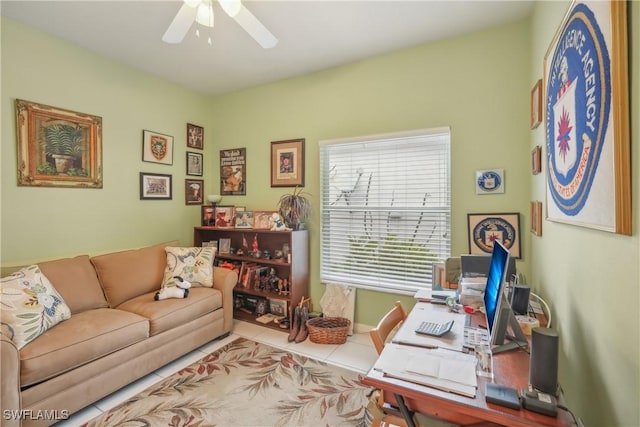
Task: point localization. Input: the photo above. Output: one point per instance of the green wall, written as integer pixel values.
(476, 84)
(43, 223)
(589, 277)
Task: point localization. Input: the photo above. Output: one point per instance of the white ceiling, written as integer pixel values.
(313, 35)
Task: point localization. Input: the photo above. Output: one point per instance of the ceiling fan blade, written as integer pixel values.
(180, 24)
(255, 28)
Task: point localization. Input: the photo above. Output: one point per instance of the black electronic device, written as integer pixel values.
(543, 364)
(542, 403)
(502, 395)
(498, 312)
(520, 299)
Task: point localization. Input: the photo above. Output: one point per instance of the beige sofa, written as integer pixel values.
(116, 334)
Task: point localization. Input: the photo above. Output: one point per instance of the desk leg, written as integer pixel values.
(406, 413)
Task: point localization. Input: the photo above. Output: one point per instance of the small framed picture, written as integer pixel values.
(157, 147)
(244, 219)
(194, 164)
(262, 219)
(536, 104)
(207, 216)
(535, 213)
(536, 160)
(287, 163)
(210, 244)
(490, 181)
(261, 306)
(193, 191)
(155, 186)
(195, 136)
(278, 306)
(225, 246)
(486, 228)
(225, 217)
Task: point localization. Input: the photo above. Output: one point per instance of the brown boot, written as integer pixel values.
(295, 325)
(304, 332)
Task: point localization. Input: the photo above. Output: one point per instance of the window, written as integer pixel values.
(385, 209)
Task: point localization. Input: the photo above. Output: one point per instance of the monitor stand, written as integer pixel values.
(518, 341)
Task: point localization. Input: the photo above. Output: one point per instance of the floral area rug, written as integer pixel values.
(248, 384)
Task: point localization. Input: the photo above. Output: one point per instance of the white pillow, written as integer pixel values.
(30, 305)
(193, 264)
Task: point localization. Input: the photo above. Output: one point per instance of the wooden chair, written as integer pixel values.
(379, 336)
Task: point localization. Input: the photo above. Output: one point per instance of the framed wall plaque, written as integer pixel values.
(485, 228)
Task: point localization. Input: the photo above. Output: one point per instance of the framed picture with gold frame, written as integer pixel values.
(536, 104)
(287, 163)
(535, 214)
(536, 160)
(58, 147)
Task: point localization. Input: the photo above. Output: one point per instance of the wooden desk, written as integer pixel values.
(510, 368)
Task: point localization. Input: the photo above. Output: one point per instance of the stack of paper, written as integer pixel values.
(439, 368)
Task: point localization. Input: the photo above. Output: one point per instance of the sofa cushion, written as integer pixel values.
(195, 265)
(169, 313)
(128, 274)
(85, 337)
(30, 305)
(76, 280)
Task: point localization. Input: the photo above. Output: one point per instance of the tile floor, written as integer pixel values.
(357, 354)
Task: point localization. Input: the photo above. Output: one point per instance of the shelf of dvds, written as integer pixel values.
(272, 266)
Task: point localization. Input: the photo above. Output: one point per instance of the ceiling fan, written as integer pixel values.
(201, 11)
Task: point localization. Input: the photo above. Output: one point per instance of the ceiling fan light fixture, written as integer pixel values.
(231, 7)
(204, 16)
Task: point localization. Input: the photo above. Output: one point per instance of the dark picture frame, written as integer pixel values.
(157, 147)
(195, 136)
(485, 228)
(287, 163)
(155, 186)
(194, 191)
(207, 216)
(194, 163)
(70, 153)
(233, 172)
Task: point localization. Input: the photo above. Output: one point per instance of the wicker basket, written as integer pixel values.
(328, 330)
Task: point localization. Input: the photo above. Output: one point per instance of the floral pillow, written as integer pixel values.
(30, 305)
(194, 265)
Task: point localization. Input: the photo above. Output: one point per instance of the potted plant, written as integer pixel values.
(295, 209)
(63, 143)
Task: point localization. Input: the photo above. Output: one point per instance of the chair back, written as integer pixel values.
(380, 333)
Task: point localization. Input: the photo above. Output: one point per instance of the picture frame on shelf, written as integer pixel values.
(195, 136)
(224, 216)
(194, 191)
(244, 219)
(261, 306)
(278, 307)
(155, 186)
(535, 215)
(485, 228)
(224, 246)
(58, 147)
(194, 163)
(157, 147)
(208, 216)
(287, 163)
(262, 220)
(536, 105)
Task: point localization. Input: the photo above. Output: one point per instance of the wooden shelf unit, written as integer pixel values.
(297, 271)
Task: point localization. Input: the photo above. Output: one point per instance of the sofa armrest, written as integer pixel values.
(10, 378)
(225, 280)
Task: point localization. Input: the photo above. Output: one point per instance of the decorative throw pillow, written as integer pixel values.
(30, 305)
(194, 265)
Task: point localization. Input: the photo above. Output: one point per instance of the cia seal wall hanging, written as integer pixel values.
(490, 181)
(587, 118)
(486, 228)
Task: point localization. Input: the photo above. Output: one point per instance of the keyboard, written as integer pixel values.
(434, 328)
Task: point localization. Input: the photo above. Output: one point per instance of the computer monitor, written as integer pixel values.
(497, 309)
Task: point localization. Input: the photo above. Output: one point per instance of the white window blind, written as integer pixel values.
(385, 209)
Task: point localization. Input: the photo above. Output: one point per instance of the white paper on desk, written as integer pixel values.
(427, 312)
(438, 368)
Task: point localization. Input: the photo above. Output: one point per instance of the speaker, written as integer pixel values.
(520, 299)
(543, 366)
